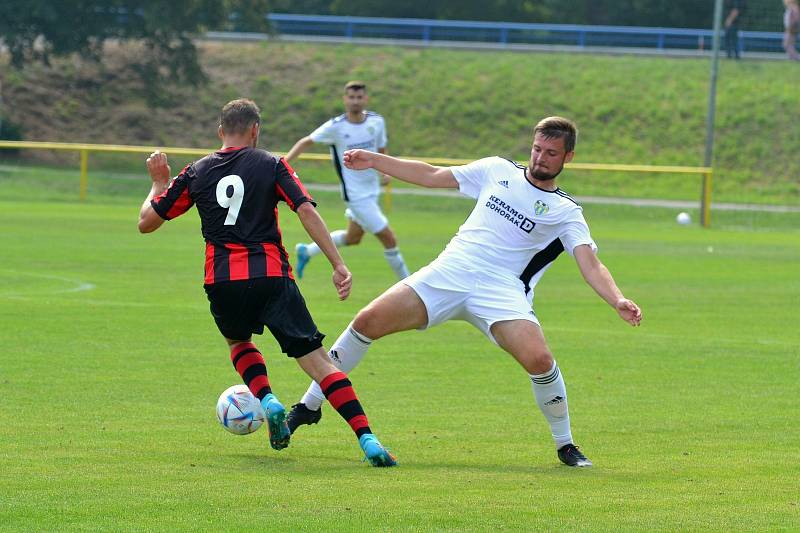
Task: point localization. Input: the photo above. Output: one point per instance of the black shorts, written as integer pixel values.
(243, 307)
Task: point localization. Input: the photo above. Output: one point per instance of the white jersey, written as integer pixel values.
(516, 229)
(341, 135)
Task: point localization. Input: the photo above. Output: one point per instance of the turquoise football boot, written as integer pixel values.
(374, 451)
(276, 422)
(302, 259)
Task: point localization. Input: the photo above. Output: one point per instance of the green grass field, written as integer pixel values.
(111, 366)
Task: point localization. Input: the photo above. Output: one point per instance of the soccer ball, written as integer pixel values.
(683, 219)
(239, 411)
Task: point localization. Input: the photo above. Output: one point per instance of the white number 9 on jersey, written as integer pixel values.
(234, 202)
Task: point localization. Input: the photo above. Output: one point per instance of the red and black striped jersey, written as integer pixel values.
(237, 191)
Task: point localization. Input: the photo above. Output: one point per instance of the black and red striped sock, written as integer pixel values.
(339, 392)
(249, 363)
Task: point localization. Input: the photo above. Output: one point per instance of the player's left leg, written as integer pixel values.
(789, 41)
(340, 394)
(524, 340)
(366, 215)
(392, 252)
(354, 233)
(730, 36)
(236, 308)
(399, 308)
(249, 363)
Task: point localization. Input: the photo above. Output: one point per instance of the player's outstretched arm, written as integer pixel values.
(318, 231)
(599, 278)
(159, 170)
(299, 147)
(386, 179)
(408, 170)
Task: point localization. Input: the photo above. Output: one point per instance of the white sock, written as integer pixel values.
(338, 238)
(346, 353)
(395, 259)
(551, 396)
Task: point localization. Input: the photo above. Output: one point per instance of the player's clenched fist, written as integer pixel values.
(358, 159)
(158, 167)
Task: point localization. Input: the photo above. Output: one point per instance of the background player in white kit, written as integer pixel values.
(356, 128)
(486, 275)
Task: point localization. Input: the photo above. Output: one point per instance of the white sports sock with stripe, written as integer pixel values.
(338, 238)
(551, 396)
(395, 259)
(346, 353)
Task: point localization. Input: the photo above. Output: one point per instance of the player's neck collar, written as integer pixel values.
(231, 149)
(531, 180)
(363, 116)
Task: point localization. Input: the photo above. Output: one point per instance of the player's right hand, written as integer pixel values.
(343, 281)
(629, 311)
(158, 167)
(358, 159)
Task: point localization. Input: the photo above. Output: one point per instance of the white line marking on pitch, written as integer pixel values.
(80, 286)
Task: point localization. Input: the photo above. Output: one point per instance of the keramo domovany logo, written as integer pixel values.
(365, 145)
(509, 213)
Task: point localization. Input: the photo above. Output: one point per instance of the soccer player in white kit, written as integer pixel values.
(487, 273)
(356, 128)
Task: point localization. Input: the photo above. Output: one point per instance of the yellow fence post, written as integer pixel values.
(387, 197)
(705, 206)
(84, 173)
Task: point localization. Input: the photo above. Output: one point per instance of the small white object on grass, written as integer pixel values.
(683, 219)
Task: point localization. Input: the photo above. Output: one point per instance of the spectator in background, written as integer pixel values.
(735, 9)
(791, 25)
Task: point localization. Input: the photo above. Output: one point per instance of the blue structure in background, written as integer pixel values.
(510, 33)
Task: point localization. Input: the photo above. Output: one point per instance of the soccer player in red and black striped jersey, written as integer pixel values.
(248, 279)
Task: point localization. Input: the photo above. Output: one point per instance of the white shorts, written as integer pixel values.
(474, 296)
(367, 213)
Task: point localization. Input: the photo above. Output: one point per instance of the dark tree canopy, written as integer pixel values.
(38, 29)
(762, 15)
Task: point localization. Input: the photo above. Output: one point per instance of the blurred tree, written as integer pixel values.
(309, 7)
(246, 15)
(431, 9)
(35, 30)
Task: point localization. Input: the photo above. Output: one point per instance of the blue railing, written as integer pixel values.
(511, 33)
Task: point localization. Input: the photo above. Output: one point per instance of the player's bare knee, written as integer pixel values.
(352, 240)
(368, 323)
(539, 361)
(363, 323)
(387, 238)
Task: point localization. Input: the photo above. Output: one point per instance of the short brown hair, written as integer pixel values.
(238, 115)
(355, 85)
(558, 128)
